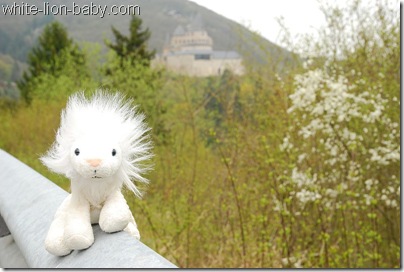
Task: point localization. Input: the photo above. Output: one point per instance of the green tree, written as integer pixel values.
(44, 58)
(128, 70)
(223, 97)
(134, 46)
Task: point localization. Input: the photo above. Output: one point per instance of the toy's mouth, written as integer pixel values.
(95, 175)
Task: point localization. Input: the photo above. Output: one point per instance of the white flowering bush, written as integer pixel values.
(347, 168)
(343, 126)
(338, 196)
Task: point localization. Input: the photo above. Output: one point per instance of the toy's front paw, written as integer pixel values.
(78, 234)
(55, 242)
(115, 214)
(79, 242)
(113, 222)
(56, 246)
(57, 250)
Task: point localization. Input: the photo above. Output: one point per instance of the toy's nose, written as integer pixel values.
(94, 163)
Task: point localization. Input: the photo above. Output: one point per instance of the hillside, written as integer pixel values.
(160, 16)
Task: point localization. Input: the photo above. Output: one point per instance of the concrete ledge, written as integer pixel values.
(10, 256)
(28, 202)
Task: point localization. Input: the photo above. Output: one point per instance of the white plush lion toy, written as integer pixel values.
(101, 145)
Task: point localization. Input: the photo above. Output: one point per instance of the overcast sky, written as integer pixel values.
(300, 16)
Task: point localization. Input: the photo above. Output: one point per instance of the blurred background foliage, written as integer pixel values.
(291, 168)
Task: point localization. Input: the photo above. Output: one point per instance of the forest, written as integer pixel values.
(291, 168)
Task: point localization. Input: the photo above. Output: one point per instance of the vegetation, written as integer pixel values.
(49, 57)
(134, 46)
(300, 169)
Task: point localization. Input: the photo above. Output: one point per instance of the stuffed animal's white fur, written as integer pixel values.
(100, 146)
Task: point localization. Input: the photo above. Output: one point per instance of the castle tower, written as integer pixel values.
(193, 37)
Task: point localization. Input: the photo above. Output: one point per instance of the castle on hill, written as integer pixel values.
(189, 51)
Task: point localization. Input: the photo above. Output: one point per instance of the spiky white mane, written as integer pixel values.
(105, 117)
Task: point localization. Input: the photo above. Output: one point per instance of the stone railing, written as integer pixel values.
(28, 202)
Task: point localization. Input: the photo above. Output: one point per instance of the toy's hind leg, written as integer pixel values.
(131, 228)
(55, 242)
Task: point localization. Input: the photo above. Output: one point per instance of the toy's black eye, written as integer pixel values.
(77, 152)
(113, 152)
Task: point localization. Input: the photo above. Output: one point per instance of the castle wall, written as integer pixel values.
(187, 65)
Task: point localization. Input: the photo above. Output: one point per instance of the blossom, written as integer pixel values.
(345, 126)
